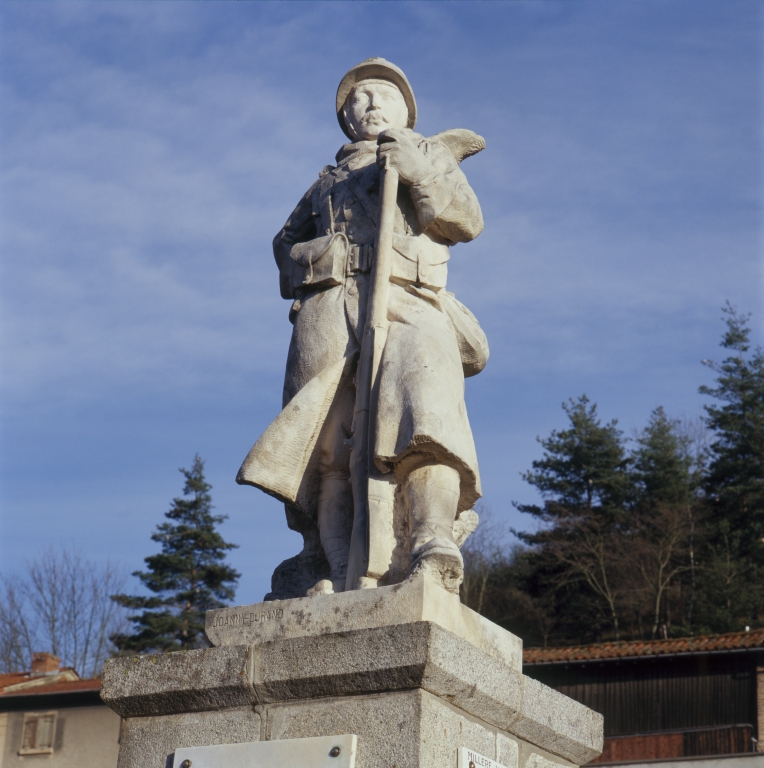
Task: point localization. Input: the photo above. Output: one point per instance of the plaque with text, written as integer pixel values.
(317, 752)
(468, 758)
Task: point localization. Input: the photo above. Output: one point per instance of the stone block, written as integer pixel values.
(507, 751)
(478, 683)
(444, 728)
(423, 655)
(342, 663)
(150, 742)
(559, 724)
(185, 681)
(416, 599)
(535, 760)
(406, 729)
(387, 725)
(396, 658)
(402, 657)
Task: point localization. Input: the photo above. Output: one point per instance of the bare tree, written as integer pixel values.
(16, 640)
(696, 437)
(660, 553)
(482, 553)
(62, 604)
(491, 570)
(536, 611)
(590, 550)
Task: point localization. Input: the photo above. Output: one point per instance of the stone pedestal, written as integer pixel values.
(408, 669)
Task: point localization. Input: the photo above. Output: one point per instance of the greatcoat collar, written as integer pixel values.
(352, 151)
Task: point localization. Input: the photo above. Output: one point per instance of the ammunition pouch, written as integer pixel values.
(419, 260)
(319, 263)
(326, 261)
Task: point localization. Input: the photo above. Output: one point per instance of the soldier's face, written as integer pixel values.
(374, 107)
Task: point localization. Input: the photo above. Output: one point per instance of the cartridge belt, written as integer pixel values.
(359, 258)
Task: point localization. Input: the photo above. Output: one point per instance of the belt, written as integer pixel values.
(359, 259)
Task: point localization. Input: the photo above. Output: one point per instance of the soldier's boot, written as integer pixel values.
(432, 496)
(335, 521)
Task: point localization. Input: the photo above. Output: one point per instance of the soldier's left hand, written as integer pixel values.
(397, 146)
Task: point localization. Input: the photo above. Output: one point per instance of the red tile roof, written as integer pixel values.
(65, 687)
(733, 641)
(12, 678)
(62, 681)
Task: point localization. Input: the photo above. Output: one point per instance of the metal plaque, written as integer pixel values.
(467, 758)
(318, 752)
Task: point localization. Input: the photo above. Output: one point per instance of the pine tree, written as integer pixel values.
(734, 570)
(664, 521)
(585, 484)
(189, 576)
(663, 466)
(736, 473)
(583, 471)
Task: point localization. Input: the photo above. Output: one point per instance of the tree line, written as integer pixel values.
(659, 536)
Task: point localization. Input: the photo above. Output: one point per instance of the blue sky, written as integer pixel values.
(150, 151)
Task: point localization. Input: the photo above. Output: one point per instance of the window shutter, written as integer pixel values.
(38, 733)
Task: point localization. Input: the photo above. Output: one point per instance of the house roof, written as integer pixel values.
(12, 678)
(63, 680)
(630, 649)
(66, 686)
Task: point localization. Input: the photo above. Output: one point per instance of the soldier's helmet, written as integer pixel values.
(375, 69)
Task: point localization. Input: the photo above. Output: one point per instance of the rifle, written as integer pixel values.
(372, 537)
(372, 494)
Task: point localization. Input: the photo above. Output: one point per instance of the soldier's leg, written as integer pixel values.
(431, 491)
(335, 497)
(335, 522)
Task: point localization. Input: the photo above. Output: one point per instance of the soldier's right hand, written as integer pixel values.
(397, 147)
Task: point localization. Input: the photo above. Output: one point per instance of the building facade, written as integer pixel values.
(673, 702)
(50, 717)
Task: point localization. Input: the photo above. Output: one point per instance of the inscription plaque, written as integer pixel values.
(316, 752)
(468, 758)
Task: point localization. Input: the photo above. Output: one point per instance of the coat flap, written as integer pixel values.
(278, 461)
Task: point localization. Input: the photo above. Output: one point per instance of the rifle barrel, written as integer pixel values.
(384, 255)
(368, 552)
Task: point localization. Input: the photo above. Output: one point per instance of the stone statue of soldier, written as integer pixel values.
(421, 437)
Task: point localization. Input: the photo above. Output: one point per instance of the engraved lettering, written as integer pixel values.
(480, 760)
(467, 758)
(246, 619)
(276, 613)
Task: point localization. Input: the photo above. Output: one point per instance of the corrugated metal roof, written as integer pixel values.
(732, 641)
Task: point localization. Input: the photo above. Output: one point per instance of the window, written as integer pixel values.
(38, 733)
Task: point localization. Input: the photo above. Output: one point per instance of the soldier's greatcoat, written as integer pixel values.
(433, 340)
